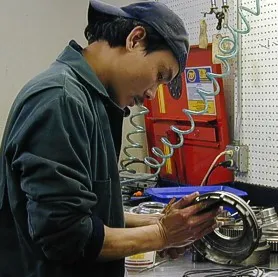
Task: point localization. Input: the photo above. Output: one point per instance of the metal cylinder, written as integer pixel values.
(269, 217)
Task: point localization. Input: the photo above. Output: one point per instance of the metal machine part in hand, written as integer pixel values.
(222, 249)
(261, 255)
(267, 220)
(233, 228)
(257, 210)
(232, 231)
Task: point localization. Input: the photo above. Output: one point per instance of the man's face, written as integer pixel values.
(139, 75)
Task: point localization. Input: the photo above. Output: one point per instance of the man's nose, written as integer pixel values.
(150, 93)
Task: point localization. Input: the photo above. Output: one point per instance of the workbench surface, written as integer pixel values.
(176, 268)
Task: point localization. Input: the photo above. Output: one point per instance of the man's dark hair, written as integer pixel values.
(115, 30)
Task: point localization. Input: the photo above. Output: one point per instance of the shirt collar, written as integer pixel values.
(72, 56)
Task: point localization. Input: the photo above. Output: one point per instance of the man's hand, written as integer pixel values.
(138, 220)
(184, 223)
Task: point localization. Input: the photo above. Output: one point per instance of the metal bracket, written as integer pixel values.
(240, 158)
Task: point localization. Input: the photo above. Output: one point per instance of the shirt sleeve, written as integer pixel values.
(52, 158)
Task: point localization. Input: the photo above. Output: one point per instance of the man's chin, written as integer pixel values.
(138, 102)
(132, 103)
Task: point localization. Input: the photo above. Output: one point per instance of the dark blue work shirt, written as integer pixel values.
(59, 180)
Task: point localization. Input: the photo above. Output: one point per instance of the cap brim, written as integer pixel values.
(108, 9)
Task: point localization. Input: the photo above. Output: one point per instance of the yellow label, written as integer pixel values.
(161, 101)
(168, 162)
(203, 75)
(199, 105)
(137, 257)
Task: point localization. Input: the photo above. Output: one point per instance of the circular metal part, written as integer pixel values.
(226, 218)
(229, 250)
(175, 87)
(260, 256)
(257, 210)
(231, 231)
(150, 207)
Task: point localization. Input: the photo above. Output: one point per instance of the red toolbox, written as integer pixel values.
(210, 137)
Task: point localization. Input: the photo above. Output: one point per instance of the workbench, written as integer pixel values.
(176, 268)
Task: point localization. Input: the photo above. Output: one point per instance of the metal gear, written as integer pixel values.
(222, 249)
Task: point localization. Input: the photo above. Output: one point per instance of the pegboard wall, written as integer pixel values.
(191, 12)
(260, 94)
(259, 128)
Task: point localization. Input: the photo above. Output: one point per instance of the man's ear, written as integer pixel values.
(136, 39)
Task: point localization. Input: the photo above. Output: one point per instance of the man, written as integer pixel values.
(61, 207)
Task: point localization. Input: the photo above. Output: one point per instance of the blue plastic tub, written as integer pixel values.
(164, 195)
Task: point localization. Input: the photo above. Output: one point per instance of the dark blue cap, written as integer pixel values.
(158, 16)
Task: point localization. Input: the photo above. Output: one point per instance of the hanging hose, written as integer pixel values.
(227, 55)
(131, 159)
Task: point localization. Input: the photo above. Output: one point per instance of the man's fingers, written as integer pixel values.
(185, 201)
(195, 215)
(204, 229)
(186, 244)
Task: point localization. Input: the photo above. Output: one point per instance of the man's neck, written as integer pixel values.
(100, 57)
